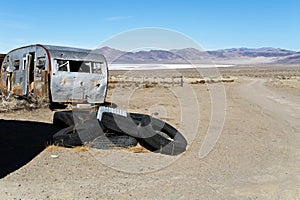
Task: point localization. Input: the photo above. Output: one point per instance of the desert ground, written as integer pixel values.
(256, 153)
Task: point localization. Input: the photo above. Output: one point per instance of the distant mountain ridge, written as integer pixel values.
(186, 55)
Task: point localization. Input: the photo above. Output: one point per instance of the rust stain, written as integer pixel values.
(17, 89)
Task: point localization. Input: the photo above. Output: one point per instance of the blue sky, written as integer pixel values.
(213, 24)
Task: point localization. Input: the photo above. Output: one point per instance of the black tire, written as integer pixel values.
(78, 135)
(147, 129)
(91, 132)
(70, 118)
(67, 137)
(63, 119)
(174, 144)
(153, 133)
(113, 140)
(124, 125)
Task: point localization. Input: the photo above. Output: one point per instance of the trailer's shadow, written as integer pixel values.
(21, 141)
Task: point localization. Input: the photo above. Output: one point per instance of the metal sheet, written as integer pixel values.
(78, 87)
(64, 86)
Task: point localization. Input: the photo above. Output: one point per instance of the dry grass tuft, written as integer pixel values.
(198, 82)
(81, 148)
(53, 147)
(150, 85)
(138, 149)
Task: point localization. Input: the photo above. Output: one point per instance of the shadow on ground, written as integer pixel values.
(21, 141)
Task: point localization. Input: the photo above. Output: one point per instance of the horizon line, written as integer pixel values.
(149, 49)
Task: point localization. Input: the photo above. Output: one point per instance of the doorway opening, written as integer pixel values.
(31, 71)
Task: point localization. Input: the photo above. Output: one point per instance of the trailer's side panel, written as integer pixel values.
(81, 79)
(15, 74)
(2, 56)
(41, 73)
(20, 73)
(11, 75)
(78, 87)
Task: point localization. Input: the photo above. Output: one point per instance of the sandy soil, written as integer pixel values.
(257, 155)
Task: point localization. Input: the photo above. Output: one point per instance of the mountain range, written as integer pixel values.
(188, 55)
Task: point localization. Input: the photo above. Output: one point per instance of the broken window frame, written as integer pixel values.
(16, 65)
(41, 62)
(65, 64)
(40, 65)
(86, 66)
(83, 66)
(4, 66)
(97, 69)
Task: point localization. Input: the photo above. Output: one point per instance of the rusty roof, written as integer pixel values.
(72, 53)
(68, 53)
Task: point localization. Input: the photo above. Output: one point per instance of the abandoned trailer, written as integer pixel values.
(59, 74)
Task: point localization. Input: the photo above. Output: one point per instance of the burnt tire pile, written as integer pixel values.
(116, 130)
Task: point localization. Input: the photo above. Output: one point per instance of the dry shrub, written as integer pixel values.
(111, 86)
(138, 149)
(53, 147)
(227, 80)
(210, 81)
(30, 102)
(198, 82)
(81, 148)
(112, 82)
(150, 85)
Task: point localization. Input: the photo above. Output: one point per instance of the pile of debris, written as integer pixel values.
(107, 128)
(14, 102)
(117, 128)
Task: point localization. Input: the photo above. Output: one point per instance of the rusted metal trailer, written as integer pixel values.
(59, 74)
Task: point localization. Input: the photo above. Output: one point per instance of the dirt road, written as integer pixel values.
(256, 157)
(283, 111)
